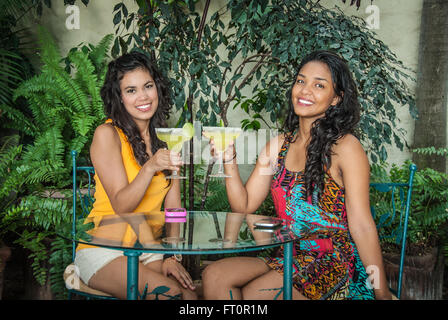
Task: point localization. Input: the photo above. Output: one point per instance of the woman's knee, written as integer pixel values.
(247, 292)
(211, 275)
(235, 271)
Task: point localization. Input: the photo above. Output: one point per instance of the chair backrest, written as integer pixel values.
(82, 194)
(390, 206)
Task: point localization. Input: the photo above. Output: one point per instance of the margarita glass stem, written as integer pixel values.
(221, 163)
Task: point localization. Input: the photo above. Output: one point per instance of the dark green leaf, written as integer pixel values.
(117, 18)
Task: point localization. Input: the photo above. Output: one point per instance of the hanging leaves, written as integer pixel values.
(251, 46)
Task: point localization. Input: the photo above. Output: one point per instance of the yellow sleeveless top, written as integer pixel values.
(152, 200)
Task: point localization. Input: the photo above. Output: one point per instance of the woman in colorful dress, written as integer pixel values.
(130, 166)
(318, 176)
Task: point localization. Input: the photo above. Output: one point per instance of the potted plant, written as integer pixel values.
(427, 230)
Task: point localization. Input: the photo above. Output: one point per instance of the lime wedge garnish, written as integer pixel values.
(188, 130)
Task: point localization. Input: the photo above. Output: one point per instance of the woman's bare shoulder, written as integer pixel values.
(348, 143)
(349, 153)
(105, 131)
(105, 136)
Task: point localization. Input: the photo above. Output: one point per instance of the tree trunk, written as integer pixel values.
(432, 84)
(191, 262)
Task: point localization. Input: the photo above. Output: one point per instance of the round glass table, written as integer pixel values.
(199, 232)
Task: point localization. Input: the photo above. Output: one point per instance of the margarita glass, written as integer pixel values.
(175, 138)
(222, 136)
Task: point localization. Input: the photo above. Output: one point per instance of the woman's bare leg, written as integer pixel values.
(267, 287)
(187, 294)
(112, 278)
(230, 275)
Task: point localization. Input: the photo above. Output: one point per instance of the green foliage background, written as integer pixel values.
(65, 107)
(246, 46)
(258, 50)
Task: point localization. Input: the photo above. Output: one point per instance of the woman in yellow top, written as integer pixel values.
(130, 162)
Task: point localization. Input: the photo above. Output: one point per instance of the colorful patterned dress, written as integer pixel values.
(326, 263)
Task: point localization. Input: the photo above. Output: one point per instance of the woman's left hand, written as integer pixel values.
(171, 267)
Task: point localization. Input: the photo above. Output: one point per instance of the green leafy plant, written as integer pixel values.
(255, 45)
(65, 104)
(20, 214)
(429, 151)
(65, 108)
(14, 66)
(9, 154)
(15, 48)
(428, 219)
(261, 46)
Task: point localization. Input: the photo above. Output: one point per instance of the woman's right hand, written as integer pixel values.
(164, 159)
(171, 267)
(228, 155)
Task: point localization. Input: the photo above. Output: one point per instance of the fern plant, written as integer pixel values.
(436, 195)
(428, 219)
(65, 104)
(9, 182)
(432, 151)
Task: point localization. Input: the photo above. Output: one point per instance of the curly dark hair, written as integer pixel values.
(338, 121)
(115, 110)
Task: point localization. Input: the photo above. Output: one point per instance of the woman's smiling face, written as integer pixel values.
(313, 92)
(139, 94)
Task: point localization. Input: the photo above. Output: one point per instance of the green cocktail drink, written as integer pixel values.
(222, 139)
(175, 138)
(222, 136)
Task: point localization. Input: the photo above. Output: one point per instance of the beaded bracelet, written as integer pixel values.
(177, 257)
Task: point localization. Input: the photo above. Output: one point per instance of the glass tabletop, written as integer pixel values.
(197, 232)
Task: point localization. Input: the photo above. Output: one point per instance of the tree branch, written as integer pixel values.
(190, 110)
(230, 97)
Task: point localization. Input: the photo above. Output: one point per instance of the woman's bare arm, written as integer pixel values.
(105, 153)
(247, 198)
(354, 166)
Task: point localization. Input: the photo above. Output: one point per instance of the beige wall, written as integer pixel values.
(399, 29)
(95, 22)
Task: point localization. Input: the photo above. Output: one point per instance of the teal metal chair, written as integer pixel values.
(83, 187)
(82, 203)
(390, 210)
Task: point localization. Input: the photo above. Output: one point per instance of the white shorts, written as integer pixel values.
(90, 260)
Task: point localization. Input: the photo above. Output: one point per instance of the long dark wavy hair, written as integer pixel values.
(338, 121)
(115, 110)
